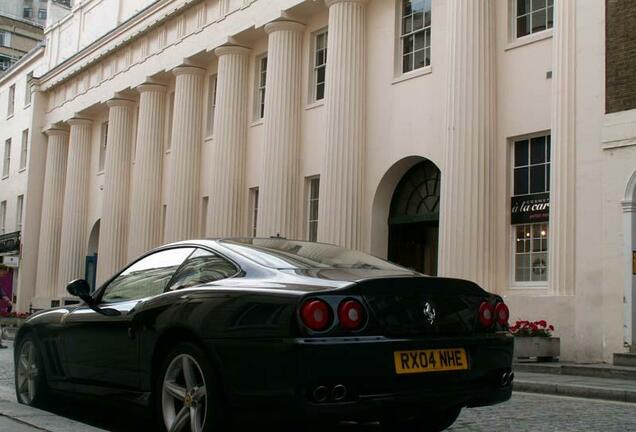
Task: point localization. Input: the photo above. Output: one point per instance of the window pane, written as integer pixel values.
(147, 277)
(320, 91)
(320, 74)
(407, 25)
(417, 5)
(406, 7)
(521, 153)
(539, 21)
(523, 7)
(521, 181)
(202, 267)
(550, 17)
(523, 26)
(419, 40)
(537, 179)
(418, 20)
(547, 178)
(427, 18)
(408, 44)
(538, 4)
(407, 63)
(420, 59)
(537, 150)
(539, 267)
(548, 147)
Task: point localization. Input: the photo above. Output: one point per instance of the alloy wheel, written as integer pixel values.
(27, 372)
(184, 395)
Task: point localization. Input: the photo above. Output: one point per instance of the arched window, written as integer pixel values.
(416, 197)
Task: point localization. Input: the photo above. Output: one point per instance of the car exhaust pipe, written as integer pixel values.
(320, 394)
(339, 392)
(505, 379)
(511, 378)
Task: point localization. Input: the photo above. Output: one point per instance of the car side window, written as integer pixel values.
(201, 267)
(147, 277)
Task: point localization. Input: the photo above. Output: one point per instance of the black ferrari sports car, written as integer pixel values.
(208, 333)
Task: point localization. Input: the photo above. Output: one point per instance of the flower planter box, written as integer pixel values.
(541, 348)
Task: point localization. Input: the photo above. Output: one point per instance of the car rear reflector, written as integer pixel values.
(316, 315)
(486, 315)
(502, 314)
(351, 314)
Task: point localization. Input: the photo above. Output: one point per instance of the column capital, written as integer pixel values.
(120, 102)
(55, 131)
(188, 70)
(79, 121)
(330, 3)
(284, 25)
(231, 49)
(150, 87)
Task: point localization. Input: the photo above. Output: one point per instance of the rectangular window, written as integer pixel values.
(211, 105)
(415, 34)
(18, 213)
(7, 158)
(42, 14)
(169, 122)
(261, 82)
(24, 149)
(5, 63)
(11, 101)
(5, 39)
(253, 211)
(313, 197)
(103, 140)
(27, 13)
(27, 89)
(530, 191)
(3, 216)
(532, 16)
(320, 65)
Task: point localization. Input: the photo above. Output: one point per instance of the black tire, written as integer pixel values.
(215, 415)
(435, 422)
(37, 395)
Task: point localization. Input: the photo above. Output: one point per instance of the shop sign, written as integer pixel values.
(10, 243)
(11, 261)
(526, 209)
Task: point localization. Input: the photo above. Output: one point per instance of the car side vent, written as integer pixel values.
(54, 356)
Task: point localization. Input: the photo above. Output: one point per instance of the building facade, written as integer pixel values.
(17, 37)
(457, 137)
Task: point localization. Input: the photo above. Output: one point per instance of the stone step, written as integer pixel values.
(585, 370)
(625, 359)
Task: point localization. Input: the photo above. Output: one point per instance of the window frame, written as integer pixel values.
(27, 90)
(401, 36)
(3, 216)
(260, 87)
(308, 203)
(514, 284)
(531, 36)
(6, 159)
(254, 195)
(11, 101)
(42, 14)
(169, 121)
(27, 12)
(5, 39)
(19, 212)
(313, 67)
(24, 150)
(211, 104)
(103, 143)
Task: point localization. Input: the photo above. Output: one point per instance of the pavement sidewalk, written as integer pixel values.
(622, 390)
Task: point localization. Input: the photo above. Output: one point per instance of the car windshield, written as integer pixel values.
(293, 254)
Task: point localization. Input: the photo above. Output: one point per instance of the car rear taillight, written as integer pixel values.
(351, 314)
(502, 314)
(316, 315)
(486, 315)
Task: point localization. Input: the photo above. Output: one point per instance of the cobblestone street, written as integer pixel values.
(525, 412)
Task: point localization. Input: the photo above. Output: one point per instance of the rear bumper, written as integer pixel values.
(365, 367)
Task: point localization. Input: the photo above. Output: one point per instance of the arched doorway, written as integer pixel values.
(90, 271)
(414, 219)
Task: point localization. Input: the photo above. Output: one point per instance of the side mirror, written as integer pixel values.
(80, 288)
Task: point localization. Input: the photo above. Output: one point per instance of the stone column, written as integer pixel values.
(226, 213)
(561, 238)
(113, 236)
(145, 205)
(278, 210)
(182, 213)
(73, 243)
(51, 222)
(341, 212)
(467, 246)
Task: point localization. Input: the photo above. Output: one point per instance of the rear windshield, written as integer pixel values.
(292, 254)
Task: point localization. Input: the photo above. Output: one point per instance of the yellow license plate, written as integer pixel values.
(432, 360)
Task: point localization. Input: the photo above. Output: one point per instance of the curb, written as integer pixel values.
(603, 393)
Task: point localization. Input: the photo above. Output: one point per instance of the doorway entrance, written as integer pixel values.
(414, 219)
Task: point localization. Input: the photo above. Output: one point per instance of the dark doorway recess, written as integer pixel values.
(414, 219)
